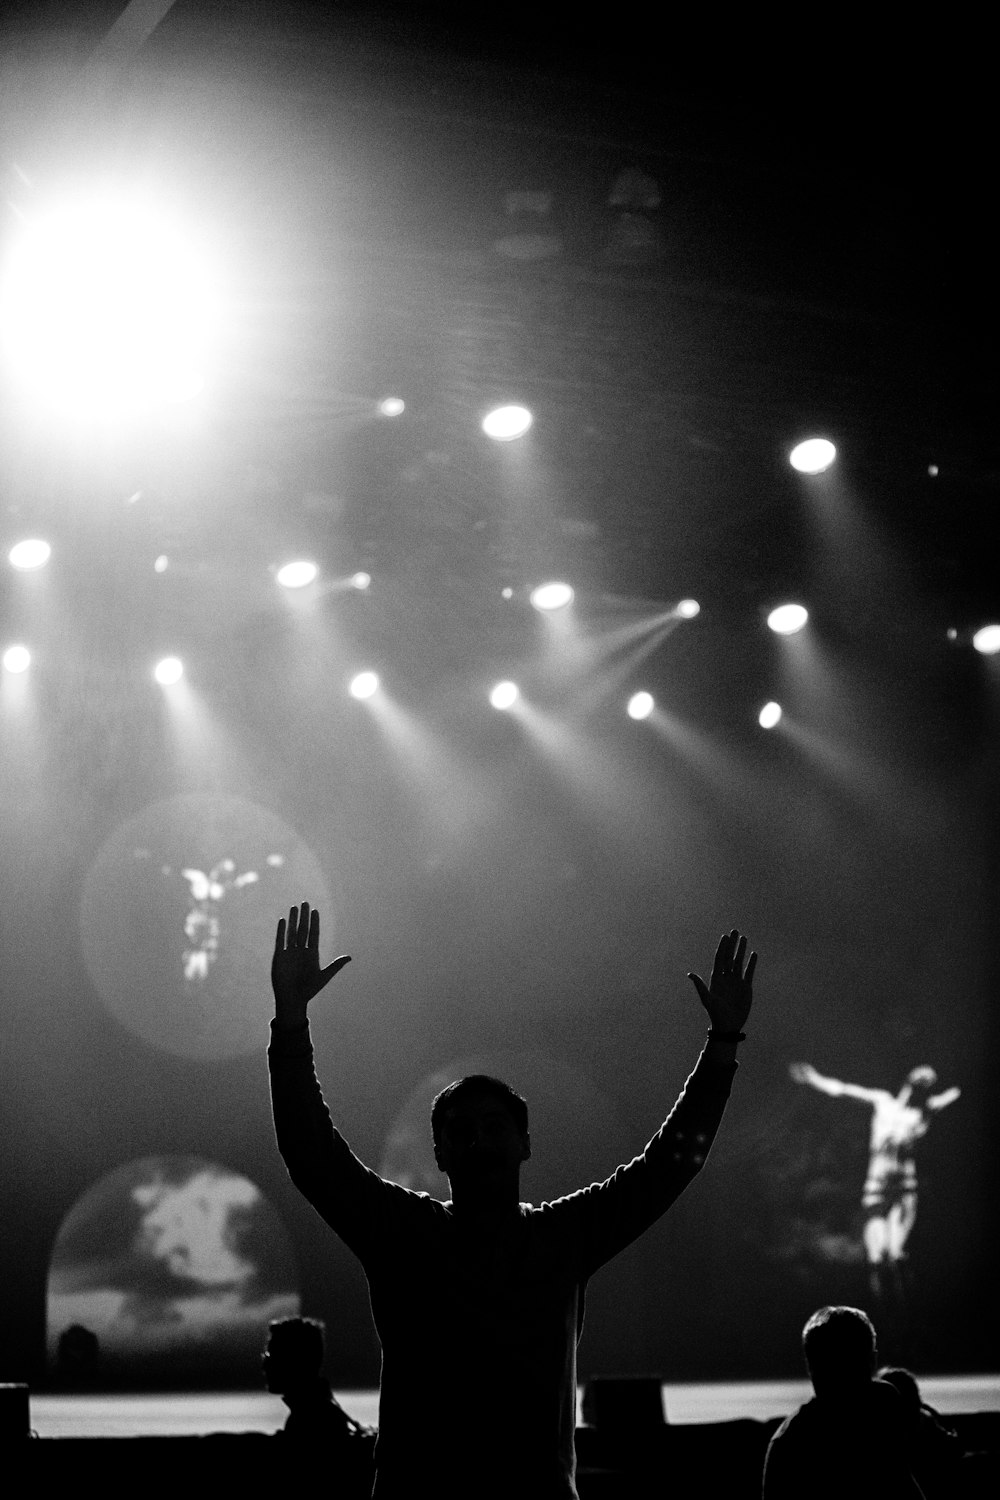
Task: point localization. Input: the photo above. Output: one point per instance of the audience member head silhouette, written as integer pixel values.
(840, 1352)
(78, 1354)
(293, 1357)
(480, 1130)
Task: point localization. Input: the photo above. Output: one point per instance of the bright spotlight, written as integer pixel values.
(688, 608)
(392, 406)
(769, 716)
(16, 659)
(549, 596)
(640, 706)
(162, 563)
(361, 581)
(295, 575)
(812, 456)
(364, 685)
(169, 670)
(987, 640)
(507, 422)
(505, 695)
(29, 554)
(787, 618)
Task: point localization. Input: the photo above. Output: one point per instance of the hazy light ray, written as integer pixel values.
(451, 797)
(29, 554)
(814, 456)
(706, 759)
(863, 777)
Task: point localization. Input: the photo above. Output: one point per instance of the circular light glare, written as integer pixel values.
(162, 563)
(987, 640)
(769, 716)
(392, 406)
(364, 685)
(549, 596)
(787, 618)
(169, 670)
(16, 659)
(640, 705)
(30, 554)
(295, 575)
(505, 695)
(507, 422)
(361, 581)
(688, 608)
(813, 456)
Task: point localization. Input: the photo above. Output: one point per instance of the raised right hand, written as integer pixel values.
(296, 975)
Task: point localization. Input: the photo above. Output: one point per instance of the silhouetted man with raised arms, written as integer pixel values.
(479, 1302)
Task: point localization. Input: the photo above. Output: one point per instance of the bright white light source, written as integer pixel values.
(392, 406)
(169, 670)
(364, 685)
(769, 715)
(16, 659)
(640, 706)
(507, 593)
(549, 596)
(162, 563)
(505, 695)
(507, 423)
(295, 575)
(33, 553)
(688, 608)
(361, 581)
(812, 456)
(987, 640)
(787, 618)
(105, 307)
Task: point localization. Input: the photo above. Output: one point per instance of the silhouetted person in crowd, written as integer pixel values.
(479, 1301)
(939, 1457)
(852, 1439)
(78, 1355)
(293, 1370)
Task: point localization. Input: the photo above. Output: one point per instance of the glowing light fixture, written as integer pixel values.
(506, 423)
(504, 695)
(640, 706)
(688, 608)
(392, 406)
(787, 618)
(549, 596)
(364, 685)
(26, 555)
(168, 671)
(987, 640)
(769, 716)
(16, 659)
(162, 563)
(813, 456)
(295, 575)
(361, 581)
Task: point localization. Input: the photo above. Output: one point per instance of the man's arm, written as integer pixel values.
(806, 1073)
(941, 1101)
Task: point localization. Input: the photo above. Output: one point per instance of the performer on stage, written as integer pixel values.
(889, 1198)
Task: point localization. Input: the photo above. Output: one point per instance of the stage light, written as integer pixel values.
(507, 423)
(169, 670)
(688, 608)
(361, 580)
(787, 618)
(162, 563)
(507, 593)
(504, 695)
(640, 706)
(769, 716)
(813, 456)
(26, 555)
(987, 640)
(295, 575)
(549, 596)
(364, 685)
(16, 659)
(392, 406)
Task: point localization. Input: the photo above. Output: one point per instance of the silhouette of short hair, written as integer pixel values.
(478, 1083)
(839, 1346)
(297, 1343)
(905, 1383)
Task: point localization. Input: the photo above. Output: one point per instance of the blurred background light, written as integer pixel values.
(813, 456)
(688, 608)
(364, 685)
(32, 553)
(987, 640)
(787, 618)
(392, 406)
(361, 580)
(507, 422)
(295, 575)
(549, 596)
(640, 706)
(161, 564)
(504, 695)
(169, 670)
(16, 659)
(769, 716)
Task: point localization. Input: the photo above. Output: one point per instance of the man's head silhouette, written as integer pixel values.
(480, 1130)
(840, 1350)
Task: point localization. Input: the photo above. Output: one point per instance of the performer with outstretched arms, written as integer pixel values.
(479, 1301)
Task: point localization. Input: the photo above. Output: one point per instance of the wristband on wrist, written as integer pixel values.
(727, 1036)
